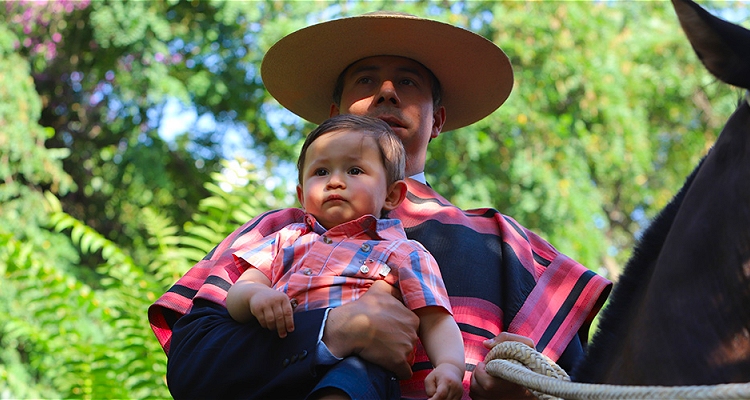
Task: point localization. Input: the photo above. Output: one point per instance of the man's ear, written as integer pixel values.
(300, 196)
(438, 120)
(334, 110)
(395, 196)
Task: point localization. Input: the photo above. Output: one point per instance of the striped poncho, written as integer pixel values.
(499, 276)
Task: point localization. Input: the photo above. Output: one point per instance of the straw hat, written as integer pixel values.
(301, 69)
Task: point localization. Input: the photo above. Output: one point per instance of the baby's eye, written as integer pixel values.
(320, 172)
(355, 171)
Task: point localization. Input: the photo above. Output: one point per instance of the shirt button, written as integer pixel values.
(364, 269)
(307, 271)
(294, 303)
(366, 247)
(327, 240)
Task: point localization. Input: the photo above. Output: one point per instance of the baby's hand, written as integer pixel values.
(273, 310)
(444, 382)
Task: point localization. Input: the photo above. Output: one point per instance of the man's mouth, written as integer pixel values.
(392, 122)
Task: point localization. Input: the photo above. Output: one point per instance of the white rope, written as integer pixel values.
(517, 363)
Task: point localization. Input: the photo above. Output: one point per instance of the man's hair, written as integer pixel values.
(437, 90)
(392, 152)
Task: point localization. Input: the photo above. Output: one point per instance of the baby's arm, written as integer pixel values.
(444, 345)
(252, 296)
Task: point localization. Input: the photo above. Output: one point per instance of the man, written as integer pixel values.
(422, 77)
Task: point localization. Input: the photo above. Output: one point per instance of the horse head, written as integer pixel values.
(680, 314)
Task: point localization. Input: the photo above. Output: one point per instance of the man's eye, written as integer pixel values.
(407, 82)
(355, 171)
(364, 80)
(320, 172)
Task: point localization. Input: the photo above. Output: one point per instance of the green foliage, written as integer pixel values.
(74, 298)
(599, 132)
(25, 163)
(237, 195)
(84, 341)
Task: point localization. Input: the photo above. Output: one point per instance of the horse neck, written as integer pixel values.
(694, 310)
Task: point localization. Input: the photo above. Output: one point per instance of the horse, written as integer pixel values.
(680, 313)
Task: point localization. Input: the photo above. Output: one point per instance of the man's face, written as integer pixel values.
(397, 90)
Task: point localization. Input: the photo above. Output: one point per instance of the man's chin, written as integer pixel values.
(400, 131)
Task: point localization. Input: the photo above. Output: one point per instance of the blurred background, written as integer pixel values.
(135, 135)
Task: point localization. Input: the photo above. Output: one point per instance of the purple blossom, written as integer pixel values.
(39, 21)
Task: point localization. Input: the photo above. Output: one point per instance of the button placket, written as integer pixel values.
(365, 248)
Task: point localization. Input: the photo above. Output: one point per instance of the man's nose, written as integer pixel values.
(387, 93)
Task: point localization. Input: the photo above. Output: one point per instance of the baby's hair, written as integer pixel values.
(392, 151)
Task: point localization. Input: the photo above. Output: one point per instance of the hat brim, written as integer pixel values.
(301, 69)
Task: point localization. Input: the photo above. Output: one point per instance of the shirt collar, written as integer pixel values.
(419, 178)
(379, 229)
(313, 224)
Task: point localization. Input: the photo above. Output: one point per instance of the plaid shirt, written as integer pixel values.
(318, 268)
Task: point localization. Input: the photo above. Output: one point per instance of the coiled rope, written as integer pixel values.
(520, 364)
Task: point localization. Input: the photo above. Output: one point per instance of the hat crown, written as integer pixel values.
(301, 69)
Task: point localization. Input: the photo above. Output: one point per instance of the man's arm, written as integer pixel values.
(377, 327)
(213, 356)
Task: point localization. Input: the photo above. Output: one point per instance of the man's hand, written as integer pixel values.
(486, 386)
(376, 327)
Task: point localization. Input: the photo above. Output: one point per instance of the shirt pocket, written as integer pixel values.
(372, 269)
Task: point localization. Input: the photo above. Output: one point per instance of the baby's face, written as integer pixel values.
(343, 178)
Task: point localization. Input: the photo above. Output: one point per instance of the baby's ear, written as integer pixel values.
(300, 196)
(396, 195)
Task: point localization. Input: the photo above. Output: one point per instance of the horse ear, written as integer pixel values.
(723, 47)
